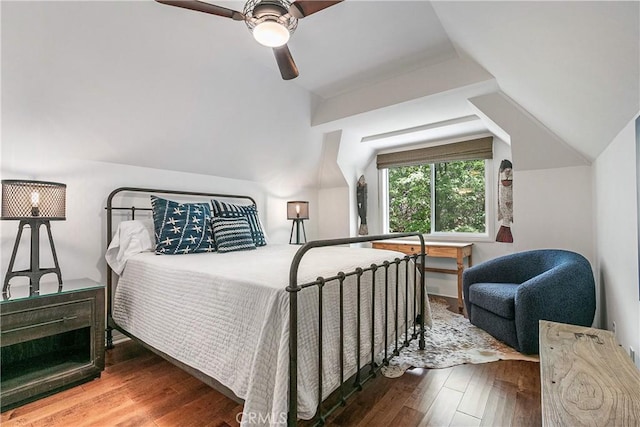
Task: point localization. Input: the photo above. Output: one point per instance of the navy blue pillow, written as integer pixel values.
(232, 234)
(181, 228)
(249, 212)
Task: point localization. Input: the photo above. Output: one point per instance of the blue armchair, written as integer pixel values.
(507, 296)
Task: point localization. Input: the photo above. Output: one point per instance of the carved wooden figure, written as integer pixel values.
(361, 197)
(505, 202)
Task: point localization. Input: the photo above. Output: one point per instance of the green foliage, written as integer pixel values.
(410, 199)
(458, 199)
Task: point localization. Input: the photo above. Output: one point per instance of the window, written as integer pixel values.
(437, 198)
(444, 197)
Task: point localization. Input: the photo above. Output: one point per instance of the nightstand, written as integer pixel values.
(50, 341)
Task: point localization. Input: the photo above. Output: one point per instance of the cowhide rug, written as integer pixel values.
(451, 341)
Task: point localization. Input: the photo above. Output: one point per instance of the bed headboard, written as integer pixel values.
(130, 208)
(151, 191)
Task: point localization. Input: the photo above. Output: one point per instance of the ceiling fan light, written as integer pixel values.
(271, 34)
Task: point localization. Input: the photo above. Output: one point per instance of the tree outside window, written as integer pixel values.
(446, 197)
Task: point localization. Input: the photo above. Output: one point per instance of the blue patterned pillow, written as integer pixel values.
(232, 234)
(181, 228)
(249, 212)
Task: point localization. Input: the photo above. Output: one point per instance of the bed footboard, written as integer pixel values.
(410, 264)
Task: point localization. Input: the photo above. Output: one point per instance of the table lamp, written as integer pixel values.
(33, 203)
(298, 211)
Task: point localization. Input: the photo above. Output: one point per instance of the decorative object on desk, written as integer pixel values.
(505, 202)
(361, 197)
(298, 211)
(451, 341)
(33, 203)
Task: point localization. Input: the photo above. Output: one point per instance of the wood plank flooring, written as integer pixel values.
(139, 388)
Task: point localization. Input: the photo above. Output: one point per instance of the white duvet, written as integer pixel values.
(227, 315)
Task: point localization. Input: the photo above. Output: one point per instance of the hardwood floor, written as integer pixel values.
(139, 388)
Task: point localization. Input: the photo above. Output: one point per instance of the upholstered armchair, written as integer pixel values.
(507, 296)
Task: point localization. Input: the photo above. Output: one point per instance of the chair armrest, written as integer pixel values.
(563, 294)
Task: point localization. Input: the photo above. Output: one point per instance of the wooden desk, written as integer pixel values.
(457, 251)
(587, 378)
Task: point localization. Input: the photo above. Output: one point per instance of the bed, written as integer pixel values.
(291, 331)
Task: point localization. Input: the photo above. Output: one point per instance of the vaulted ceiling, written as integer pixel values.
(152, 85)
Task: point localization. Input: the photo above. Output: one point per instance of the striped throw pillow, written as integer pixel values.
(249, 212)
(232, 234)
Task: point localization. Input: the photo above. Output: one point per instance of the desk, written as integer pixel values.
(454, 250)
(586, 378)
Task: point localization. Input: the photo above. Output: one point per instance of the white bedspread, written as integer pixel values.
(227, 315)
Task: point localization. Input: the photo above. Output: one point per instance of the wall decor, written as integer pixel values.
(505, 202)
(361, 197)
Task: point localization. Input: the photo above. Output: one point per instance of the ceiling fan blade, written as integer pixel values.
(288, 68)
(199, 6)
(302, 8)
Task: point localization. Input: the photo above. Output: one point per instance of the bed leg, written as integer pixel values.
(109, 337)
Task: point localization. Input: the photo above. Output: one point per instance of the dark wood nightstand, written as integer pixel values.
(50, 341)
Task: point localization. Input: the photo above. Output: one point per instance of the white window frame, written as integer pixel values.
(489, 208)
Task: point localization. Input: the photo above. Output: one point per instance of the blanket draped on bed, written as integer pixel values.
(227, 315)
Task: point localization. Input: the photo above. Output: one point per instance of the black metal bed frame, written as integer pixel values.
(351, 385)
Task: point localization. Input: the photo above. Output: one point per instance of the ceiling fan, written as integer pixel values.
(271, 21)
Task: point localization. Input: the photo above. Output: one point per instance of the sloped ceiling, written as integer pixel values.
(152, 85)
(574, 65)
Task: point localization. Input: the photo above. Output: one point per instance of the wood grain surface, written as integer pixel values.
(587, 378)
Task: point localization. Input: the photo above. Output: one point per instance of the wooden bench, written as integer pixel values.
(587, 379)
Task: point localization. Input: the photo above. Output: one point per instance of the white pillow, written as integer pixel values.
(264, 231)
(131, 238)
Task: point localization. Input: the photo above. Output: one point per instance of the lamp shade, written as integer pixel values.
(22, 199)
(297, 210)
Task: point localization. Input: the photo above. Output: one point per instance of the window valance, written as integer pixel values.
(474, 149)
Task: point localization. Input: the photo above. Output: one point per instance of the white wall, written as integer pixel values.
(333, 221)
(553, 209)
(143, 84)
(617, 238)
(81, 239)
(333, 191)
(533, 145)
